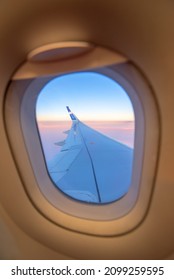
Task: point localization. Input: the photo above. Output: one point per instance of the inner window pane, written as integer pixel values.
(86, 126)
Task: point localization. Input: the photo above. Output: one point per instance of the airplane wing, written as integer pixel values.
(91, 166)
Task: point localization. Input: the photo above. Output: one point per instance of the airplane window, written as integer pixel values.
(86, 125)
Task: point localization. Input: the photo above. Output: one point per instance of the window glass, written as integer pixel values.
(86, 126)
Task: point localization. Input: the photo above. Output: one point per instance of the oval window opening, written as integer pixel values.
(86, 126)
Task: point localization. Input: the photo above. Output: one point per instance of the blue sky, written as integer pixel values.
(90, 96)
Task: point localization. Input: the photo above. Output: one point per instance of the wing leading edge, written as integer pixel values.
(90, 166)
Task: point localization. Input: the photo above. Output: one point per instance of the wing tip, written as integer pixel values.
(68, 109)
(72, 116)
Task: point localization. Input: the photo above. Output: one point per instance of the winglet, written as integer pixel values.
(72, 116)
(68, 109)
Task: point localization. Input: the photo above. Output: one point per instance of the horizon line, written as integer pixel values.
(89, 120)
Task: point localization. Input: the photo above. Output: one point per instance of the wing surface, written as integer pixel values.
(91, 166)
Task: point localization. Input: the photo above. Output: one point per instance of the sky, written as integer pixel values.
(91, 97)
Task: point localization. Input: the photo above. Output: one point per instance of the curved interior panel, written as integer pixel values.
(130, 42)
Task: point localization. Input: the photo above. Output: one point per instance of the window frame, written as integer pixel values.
(110, 219)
